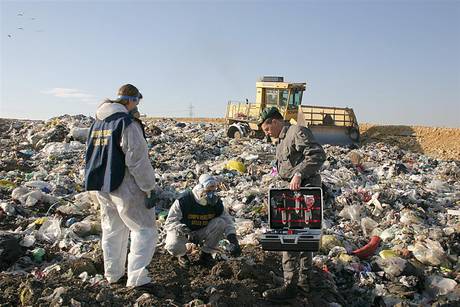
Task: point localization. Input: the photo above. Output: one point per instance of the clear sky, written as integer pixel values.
(394, 62)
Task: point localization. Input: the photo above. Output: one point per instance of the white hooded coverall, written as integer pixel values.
(210, 235)
(123, 210)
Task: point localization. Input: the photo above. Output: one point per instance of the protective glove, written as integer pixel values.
(234, 247)
(183, 230)
(192, 238)
(151, 199)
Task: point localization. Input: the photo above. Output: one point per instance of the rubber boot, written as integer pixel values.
(285, 292)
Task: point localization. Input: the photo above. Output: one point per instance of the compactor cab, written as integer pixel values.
(329, 125)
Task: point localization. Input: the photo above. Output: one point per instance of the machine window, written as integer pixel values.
(271, 97)
(295, 98)
(283, 98)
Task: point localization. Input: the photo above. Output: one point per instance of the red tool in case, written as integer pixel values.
(295, 219)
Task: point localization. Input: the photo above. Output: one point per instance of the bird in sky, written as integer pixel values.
(20, 28)
(20, 13)
(9, 35)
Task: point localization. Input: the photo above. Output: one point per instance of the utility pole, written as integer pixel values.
(190, 110)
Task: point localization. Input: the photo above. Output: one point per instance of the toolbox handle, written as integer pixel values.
(285, 242)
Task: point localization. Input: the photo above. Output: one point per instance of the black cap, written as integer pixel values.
(267, 113)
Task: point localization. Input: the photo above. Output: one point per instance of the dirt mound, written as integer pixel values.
(440, 143)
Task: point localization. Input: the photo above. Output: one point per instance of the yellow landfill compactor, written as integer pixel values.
(329, 125)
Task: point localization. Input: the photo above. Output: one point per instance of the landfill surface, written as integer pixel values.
(391, 227)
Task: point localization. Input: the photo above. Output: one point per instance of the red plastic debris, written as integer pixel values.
(369, 249)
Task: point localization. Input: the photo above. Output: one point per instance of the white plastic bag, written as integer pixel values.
(352, 212)
(79, 134)
(368, 225)
(393, 266)
(438, 285)
(50, 231)
(428, 252)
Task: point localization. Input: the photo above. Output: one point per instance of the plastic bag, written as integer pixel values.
(30, 197)
(56, 149)
(50, 231)
(389, 233)
(438, 285)
(86, 228)
(28, 241)
(79, 134)
(352, 212)
(409, 217)
(25, 196)
(236, 166)
(368, 225)
(393, 266)
(428, 252)
(438, 186)
(8, 208)
(39, 185)
(378, 209)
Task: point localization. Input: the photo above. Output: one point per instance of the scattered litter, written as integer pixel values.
(391, 219)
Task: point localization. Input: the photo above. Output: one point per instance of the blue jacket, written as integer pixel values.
(105, 160)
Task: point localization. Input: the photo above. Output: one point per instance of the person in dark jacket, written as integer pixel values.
(199, 216)
(298, 160)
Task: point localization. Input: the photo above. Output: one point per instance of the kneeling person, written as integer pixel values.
(199, 216)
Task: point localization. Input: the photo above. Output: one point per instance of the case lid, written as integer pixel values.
(302, 209)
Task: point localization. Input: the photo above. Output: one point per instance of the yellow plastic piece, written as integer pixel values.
(40, 220)
(236, 166)
(25, 296)
(387, 253)
(328, 242)
(445, 270)
(345, 258)
(7, 184)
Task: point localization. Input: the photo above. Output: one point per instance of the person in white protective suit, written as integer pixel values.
(119, 172)
(199, 216)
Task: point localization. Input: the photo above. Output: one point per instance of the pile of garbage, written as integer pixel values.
(391, 220)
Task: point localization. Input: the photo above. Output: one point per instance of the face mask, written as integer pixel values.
(207, 198)
(210, 194)
(135, 112)
(211, 197)
(203, 200)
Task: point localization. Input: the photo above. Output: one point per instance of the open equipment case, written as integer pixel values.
(295, 219)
